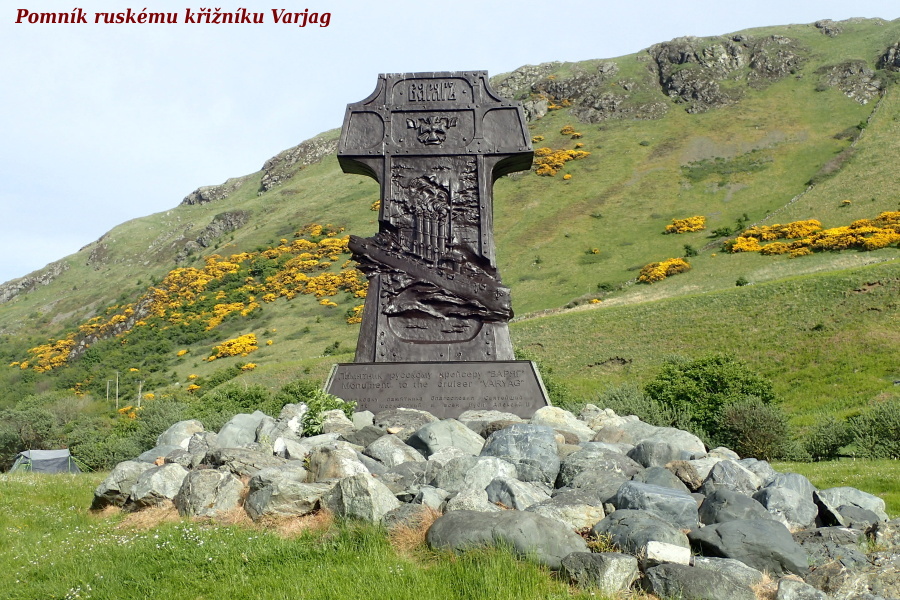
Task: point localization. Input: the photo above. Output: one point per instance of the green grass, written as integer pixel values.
(879, 477)
(52, 547)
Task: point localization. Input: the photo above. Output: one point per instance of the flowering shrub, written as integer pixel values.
(241, 345)
(697, 223)
(548, 162)
(660, 270)
(354, 315)
(863, 234)
(248, 366)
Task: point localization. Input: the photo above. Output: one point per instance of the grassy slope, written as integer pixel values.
(618, 200)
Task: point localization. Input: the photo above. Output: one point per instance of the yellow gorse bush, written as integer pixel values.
(697, 223)
(658, 271)
(809, 237)
(239, 346)
(548, 162)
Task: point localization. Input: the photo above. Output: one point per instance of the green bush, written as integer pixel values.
(876, 432)
(826, 439)
(753, 428)
(629, 399)
(318, 402)
(702, 387)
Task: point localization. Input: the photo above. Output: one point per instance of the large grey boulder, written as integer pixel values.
(300, 449)
(760, 468)
(676, 507)
(202, 442)
(362, 419)
(703, 466)
(364, 435)
(157, 453)
(360, 496)
(831, 500)
(208, 493)
(651, 453)
(735, 569)
(240, 430)
(562, 421)
(631, 530)
(724, 504)
(156, 485)
(594, 465)
(477, 420)
(528, 534)
(576, 509)
(448, 433)
(681, 581)
(432, 497)
(788, 506)
(515, 494)
(243, 462)
(403, 422)
(406, 479)
(828, 544)
(284, 492)
(662, 477)
(179, 434)
(765, 545)
(334, 461)
(115, 489)
(608, 572)
(474, 472)
(392, 451)
(727, 473)
(531, 448)
(335, 421)
(471, 499)
(790, 589)
(445, 455)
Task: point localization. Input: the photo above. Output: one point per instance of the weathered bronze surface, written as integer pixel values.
(435, 142)
(443, 389)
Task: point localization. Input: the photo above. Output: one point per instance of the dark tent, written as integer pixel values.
(45, 461)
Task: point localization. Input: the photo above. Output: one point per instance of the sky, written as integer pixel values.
(103, 123)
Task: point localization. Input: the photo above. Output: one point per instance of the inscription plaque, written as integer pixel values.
(435, 143)
(445, 389)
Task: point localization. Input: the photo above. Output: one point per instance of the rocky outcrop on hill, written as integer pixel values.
(693, 70)
(550, 489)
(213, 193)
(513, 85)
(221, 224)
(23, 285)
(829, 27)
(286, 164)
(853, 78)
(890, 60)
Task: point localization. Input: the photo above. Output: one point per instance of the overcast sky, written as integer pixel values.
(102, 123)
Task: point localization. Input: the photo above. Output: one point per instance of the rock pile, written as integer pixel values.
(609, 501)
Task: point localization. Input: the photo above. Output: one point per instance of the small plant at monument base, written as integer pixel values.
(318, 402)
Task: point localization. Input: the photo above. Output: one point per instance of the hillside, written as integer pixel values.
(755, 128)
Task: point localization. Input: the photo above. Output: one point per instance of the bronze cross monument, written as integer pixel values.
(436, 311)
